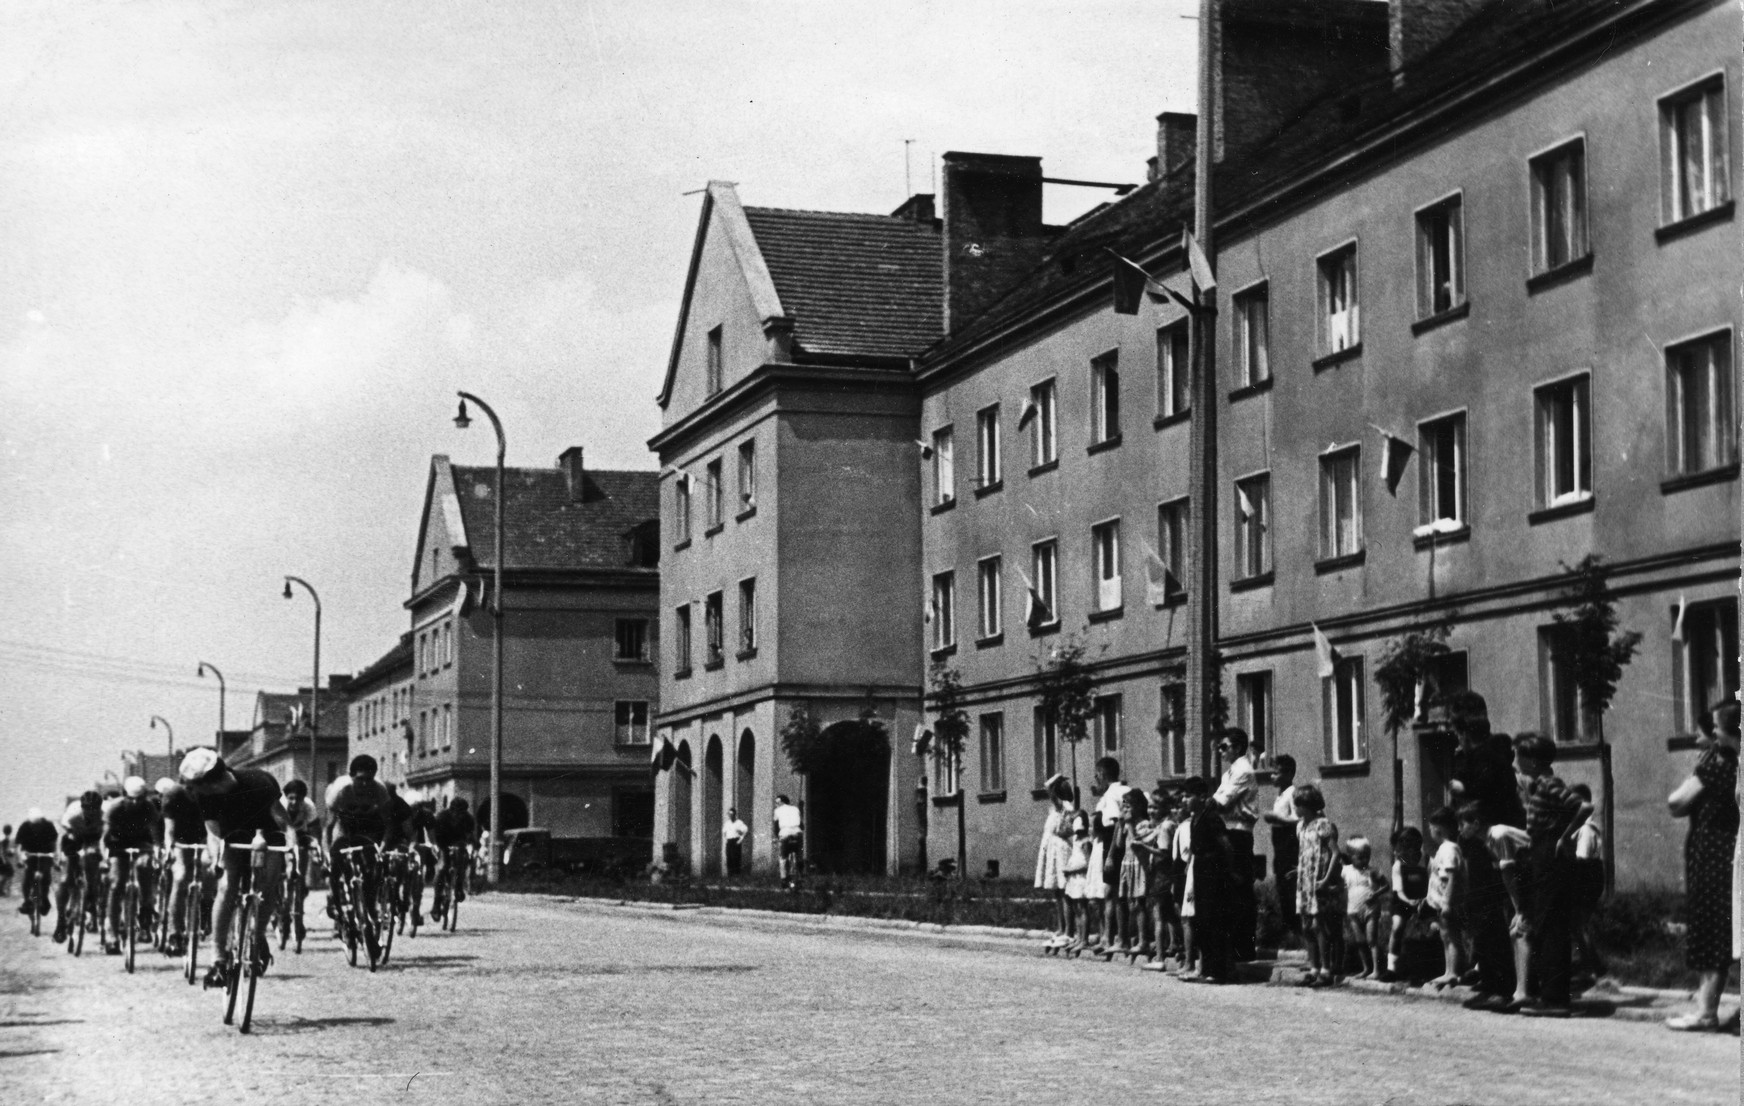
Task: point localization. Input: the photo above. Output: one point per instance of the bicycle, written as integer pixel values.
(131, 894)
(415, 887)
(389, 898)
(193, 909)
(248, 958)
(357, 924)
(80, 898)
(289, 918)
(38, 869)
(451, 886)
(163, 928)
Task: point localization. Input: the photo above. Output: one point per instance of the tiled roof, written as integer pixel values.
(871, 285)
(544, 527)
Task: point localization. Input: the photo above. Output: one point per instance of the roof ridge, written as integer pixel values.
(899, 220)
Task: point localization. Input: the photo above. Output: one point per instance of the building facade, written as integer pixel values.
(381, 710)
(280, 740)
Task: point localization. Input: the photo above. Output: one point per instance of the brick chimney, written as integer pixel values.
(1414, 27)
(1177, 137)
(918, 208)
(993, 231)
(574, 474)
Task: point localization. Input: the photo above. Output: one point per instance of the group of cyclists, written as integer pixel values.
(223, 836)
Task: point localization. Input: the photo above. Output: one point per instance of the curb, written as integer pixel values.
(829, 921)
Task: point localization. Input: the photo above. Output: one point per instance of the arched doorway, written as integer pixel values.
(745, 780)
(713, 766)
(514, 812)
(845, 799)
(682, 775)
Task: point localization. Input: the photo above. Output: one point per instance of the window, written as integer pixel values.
(1339, 318)
(630, 718)
(1253, 335)
(747, 475)
(1174, 371)
(944, 467)
(1441, 475)
(632, 639)
(1705, 662)
(1173, 519)
(1559, 207)
(1340, 508)
(1564, 442)
(681, 638)
(712, 488)
(1562, 708)
(987, 470)
(1042, 446)
(993, 752)
(1105, 398)
(1342, 712)
(947, 773)
(714, 360)
(1692, 151)
(1105, 560)
(681, 506)
(989, 588)
(748, 615)
(1172, 725)
(944, 610)
(711, 617)
(423, 733)
(1105, 725)
(1047, 746)
(1440, 258)
(1253, 526)
(1700, 423)
(1253, 712)
(1044, 561)
(447, 726)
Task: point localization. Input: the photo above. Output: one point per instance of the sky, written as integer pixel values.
(249, 251)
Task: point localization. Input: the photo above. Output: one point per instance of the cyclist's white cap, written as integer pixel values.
(133, 786)
(198, 764)
(33, 814)
(164, 785)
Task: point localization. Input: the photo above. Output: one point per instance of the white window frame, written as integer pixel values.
(1447, 238)
(1105, 726)
(1676, 201)
(747, 474)
(1044, 446)
(1430, 516)
(1045, 733)
(1343, 697)
(1338, 280)
(1255, 713)
(944, 465)
(1549, 440)
(1175, 515)
(748, 614)
(1174, 369)
(944, 609)
(1172, 727)
(1706, 649)
(447, 726)
(1105, 398)
(713, 474)
(988, 472)
(1044, 561)
(626, 731)
(681, 506)
(989, 590)
(1253, 332)
(1253, 535)
(1340, 480)
(1579, 236)
(681, 637)
(1105, 570)
(714, 617)
(1720, 432)
(992, 742)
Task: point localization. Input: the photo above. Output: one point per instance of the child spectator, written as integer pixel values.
(1554, 814)
(1077, 830)
(1319, 887)
(1282, 820)
(1493, 896)
(1447, 893)
(1186, 902)
(1156, 848)
(1361, 904)
(1051, 856)
(1214, 878)
(1409, 904)
(1134, 887)
(1589, 881)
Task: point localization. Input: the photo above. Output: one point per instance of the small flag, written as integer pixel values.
(1160, 583)
(1325, 656)
(1028, 414)
(926, 451)
(1131, 283)
(1198, 262)
(1677, 626)
(1422, 689)
(923, 740)
(927, 612)
(1395, 455)
(1040, 614)
(1243, 503)
(665, 757)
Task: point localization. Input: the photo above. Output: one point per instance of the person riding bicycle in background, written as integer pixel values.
(130, 822)
(81, 829)
(183, 827)
(454, 828)
(357, 816)
(422, 868)
(303, 824)
(235, 804)
(36, 837)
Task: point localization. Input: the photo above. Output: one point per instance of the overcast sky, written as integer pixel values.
(249, 251)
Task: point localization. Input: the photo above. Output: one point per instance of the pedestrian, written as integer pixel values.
(1408, 909)
(1282, 821)
(1446, 894)
(1708, 798)
(1236, 798)
(1319, 885)
(1052, 852)
(1493, 910)
(789, 837)
(1102, 879)
(1554, 815)
(1134, 889)
(733, 834)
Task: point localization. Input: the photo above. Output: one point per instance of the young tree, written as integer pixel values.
(802, 740)
(1405, 664)
(950, 734)
(1066, 692)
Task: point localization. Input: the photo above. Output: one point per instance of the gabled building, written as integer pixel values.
(281, 741)
(580, 586)
(381, 712)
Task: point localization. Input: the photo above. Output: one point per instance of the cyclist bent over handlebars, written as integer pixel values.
(237, 803)
(357, 809)
(81, 831)
(130, 822)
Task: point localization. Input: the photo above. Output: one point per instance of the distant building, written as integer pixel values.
(280, 739)
(381, 709)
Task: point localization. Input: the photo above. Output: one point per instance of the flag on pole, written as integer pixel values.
(1325, 656)
(1395, 455)
(1040, 614)
(1677, 626)
(1159, 581)
(665, 756)
(926, 451)
(1131, 283)
(1028, 414)
(1198, 262)
(923, 740)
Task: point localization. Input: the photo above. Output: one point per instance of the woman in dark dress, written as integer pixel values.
(1709, 800)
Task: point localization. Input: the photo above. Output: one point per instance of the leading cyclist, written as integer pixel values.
(357, 816)
(81, 832)
(236, 803)
(183, 829)
(130, 822)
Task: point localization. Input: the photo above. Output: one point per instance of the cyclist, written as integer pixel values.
(236, 803)
(36, 839)
(81, 832)
(357, 815)
(183, 828)
(303, 820)
(454, 828)
(130, 822)
(422, 868)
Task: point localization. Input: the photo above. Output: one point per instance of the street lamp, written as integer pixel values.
(493, 871)
(155, 719)
(212, 668)
(314, 684)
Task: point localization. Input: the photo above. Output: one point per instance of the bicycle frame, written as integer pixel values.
(358, 923)
(248, 933)
(131, 893)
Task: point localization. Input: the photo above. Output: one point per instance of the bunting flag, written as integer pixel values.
(1160, 583)
(665, 757)
(1395, 455)
(1325, 656)
(923, 740)
(1131, 283)
(928, 609)
(926, 451)
(1677, 626)
(1028, 414)
(1243, 504)
(1040, 614)
(1198, 262)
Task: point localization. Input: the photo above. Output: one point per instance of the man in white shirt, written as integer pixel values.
(734, 832)
(789, 836)
(1103, 821)
(1285, 848)
(1236, 799)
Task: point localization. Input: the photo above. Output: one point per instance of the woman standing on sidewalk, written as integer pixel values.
(1709, 800)
(1052, 854)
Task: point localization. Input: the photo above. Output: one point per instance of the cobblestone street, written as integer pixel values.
(549, 1002)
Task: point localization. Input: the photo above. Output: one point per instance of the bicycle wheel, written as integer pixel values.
(294, 910)
(233, 981)
(129, 920)
(76, 941)
(252, 966)
(387, 908)
(191, 922)
(452, 919)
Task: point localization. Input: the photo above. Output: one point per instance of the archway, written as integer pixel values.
(745, 780)
(713, 765)
(682, 776)
(846, 793)
(514, 812)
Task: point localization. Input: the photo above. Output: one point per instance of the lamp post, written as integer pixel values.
(493, 870)
(314, 684)
(155, 719)
(212, 668)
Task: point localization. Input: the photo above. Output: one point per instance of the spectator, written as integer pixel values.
(1159, 850)
(1104, 875)
(1319, 886)
(1282, 820)
(1554, 814)
(1135, 922)
(1483, 764)
(1186, 897)
(1708, 798)
(6, 861)
(1446, 894)
(733, 834)
(1362, 903)
(1405, 906)
(1492, 910)
(1076, 825)
(1589, 888)
(1213, 889)
(1236, 798)
(1053, 853)
(789, 836)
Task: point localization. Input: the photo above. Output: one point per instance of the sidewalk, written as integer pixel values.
(1605, 999)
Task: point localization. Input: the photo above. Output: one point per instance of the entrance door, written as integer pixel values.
(712, 813)
(682, 775)
(845, 811)
(1434, 771)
